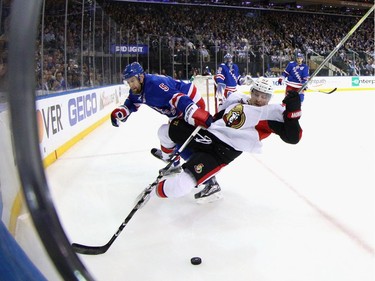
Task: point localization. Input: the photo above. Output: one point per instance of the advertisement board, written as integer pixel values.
(63, 117)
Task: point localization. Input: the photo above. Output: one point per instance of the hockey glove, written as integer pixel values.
(247, 80)
(292, 105)
(120, 113)
(197, 116)
(280, 81)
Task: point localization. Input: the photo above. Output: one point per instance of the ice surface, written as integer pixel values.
(293, 213)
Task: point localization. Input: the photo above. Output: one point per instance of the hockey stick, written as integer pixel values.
(324, 92)
(350, 33)
(328, 92)
(97, 250)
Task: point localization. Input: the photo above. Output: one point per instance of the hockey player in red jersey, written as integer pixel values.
(240, 126)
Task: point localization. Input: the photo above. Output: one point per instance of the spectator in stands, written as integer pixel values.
(264, 40)
(370, 66)
(60, 79)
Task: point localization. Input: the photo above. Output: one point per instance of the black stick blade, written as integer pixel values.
(325, 92)
(89, 250)
(330, 92)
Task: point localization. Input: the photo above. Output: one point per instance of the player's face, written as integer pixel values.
(135, 84)
(299, 60)
(258, 98)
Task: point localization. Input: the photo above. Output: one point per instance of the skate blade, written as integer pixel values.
(156, 155)
(209, 199)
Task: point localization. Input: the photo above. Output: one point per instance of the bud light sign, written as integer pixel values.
(129, 49)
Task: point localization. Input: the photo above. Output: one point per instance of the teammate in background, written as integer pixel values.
(227, 78)
(168, 96)
(296, 74)
(241, 126)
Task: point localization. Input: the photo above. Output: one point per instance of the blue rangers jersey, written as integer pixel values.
(296, 75)
(164, 94)
(229, 76)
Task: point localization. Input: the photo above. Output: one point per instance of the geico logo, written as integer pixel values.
(82, 107)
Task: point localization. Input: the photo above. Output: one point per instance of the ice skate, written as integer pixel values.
(157, 153)
(175, 168)
(210, 193)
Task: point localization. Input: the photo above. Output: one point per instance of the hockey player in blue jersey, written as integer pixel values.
(296, 74)
(227, 78)
(164, 94)
(168, 96)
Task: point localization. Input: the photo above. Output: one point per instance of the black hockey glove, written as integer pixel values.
(292, 105)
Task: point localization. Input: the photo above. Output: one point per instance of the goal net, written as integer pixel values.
(206, 87)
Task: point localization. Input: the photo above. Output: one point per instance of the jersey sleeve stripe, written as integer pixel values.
(175, 99)
(220, 76)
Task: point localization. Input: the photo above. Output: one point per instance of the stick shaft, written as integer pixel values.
(350, 33)
(97, 250)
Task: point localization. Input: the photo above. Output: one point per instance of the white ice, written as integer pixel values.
(300, 212)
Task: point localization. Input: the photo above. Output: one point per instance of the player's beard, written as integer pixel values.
(138, 90)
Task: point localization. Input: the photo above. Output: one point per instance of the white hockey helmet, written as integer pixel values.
(263, 85)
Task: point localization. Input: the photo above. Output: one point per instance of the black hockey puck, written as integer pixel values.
(196, 260)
